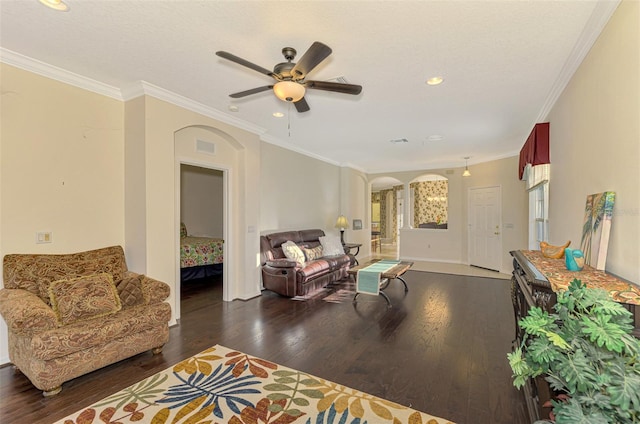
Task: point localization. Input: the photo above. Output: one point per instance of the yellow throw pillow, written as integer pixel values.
(83, 298)
(293, 251)
(314, 253)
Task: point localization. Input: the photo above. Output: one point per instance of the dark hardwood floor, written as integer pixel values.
(440, 349)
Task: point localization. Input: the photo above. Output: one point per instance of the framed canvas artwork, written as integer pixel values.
(595, 231)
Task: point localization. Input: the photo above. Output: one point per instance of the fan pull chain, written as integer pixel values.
(289, 120)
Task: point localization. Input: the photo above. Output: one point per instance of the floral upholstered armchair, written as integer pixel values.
(71, 314)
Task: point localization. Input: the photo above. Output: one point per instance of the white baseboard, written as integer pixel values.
(248, 296)
(446, 261)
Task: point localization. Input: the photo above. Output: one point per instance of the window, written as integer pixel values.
(537, 178)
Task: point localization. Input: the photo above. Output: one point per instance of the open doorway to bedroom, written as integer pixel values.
(201, 235)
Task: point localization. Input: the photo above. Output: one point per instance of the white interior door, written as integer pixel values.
(485, 223)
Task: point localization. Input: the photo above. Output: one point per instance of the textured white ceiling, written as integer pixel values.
(503, 63)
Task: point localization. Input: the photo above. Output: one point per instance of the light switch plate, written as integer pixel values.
(44, 237)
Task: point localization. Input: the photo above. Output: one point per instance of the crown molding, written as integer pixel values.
(37, 67)
(141, 88)
(277, 142)
(353, 166)
(601, 14)
(442, 165)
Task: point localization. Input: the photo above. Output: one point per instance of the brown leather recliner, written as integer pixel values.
(287, 277)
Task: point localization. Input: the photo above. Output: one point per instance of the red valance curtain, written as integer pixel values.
(536, 149)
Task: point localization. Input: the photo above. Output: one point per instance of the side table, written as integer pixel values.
(350, 246)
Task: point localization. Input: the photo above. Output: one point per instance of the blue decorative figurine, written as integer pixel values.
(574, 259)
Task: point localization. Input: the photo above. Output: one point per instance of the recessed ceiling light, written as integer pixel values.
(234, 108)
(435, 137)
(56, 5)
(435, 80)
(278, 114)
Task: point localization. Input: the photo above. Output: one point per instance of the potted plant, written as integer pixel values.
(586, 352)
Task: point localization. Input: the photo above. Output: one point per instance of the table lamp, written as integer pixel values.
(342, 224)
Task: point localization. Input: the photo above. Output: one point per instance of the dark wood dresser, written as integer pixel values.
(534, 282)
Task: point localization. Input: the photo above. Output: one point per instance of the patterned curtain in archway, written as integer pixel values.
(430, 202)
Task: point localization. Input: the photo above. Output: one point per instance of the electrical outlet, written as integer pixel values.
(44, 237)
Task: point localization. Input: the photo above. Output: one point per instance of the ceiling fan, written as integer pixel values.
(290, 76)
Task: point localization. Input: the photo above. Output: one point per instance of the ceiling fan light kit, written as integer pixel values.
(289, 91)
(56, 5)
(291, 85)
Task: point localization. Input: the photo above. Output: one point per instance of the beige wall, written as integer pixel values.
(595, 142)
(238, 155)
(135, 204)
(503, 173)
(451, 245)
(298, 191)
(62, 150)
(426, 244)
(61, 170)
(355, 203)
(201, 201)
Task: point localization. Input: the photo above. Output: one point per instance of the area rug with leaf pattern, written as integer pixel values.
(221, 385)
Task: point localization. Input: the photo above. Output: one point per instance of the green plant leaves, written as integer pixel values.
(571, 412)
(577, 371)
(584, 349)
(603, 332)
(626, 393)
(536, 322)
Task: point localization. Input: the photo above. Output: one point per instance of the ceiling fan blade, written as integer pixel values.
(250, 92)
(241, 61)
(334, 86)
(310, 59)
(302, 105)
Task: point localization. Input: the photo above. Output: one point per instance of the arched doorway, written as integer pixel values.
(386, 216)
(208, 148)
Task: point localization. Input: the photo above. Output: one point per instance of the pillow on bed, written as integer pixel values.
(331, 245)
(292, 251)
(183, 230)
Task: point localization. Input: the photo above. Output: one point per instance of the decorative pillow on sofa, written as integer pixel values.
(183, 230)
(313, 254)
(130, 290)
(293, 251)
(84, 298)
(331, 245)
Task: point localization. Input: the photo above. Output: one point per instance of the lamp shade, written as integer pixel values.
(289, 91)
(56, 4)
(342, 222)
(466, 172)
